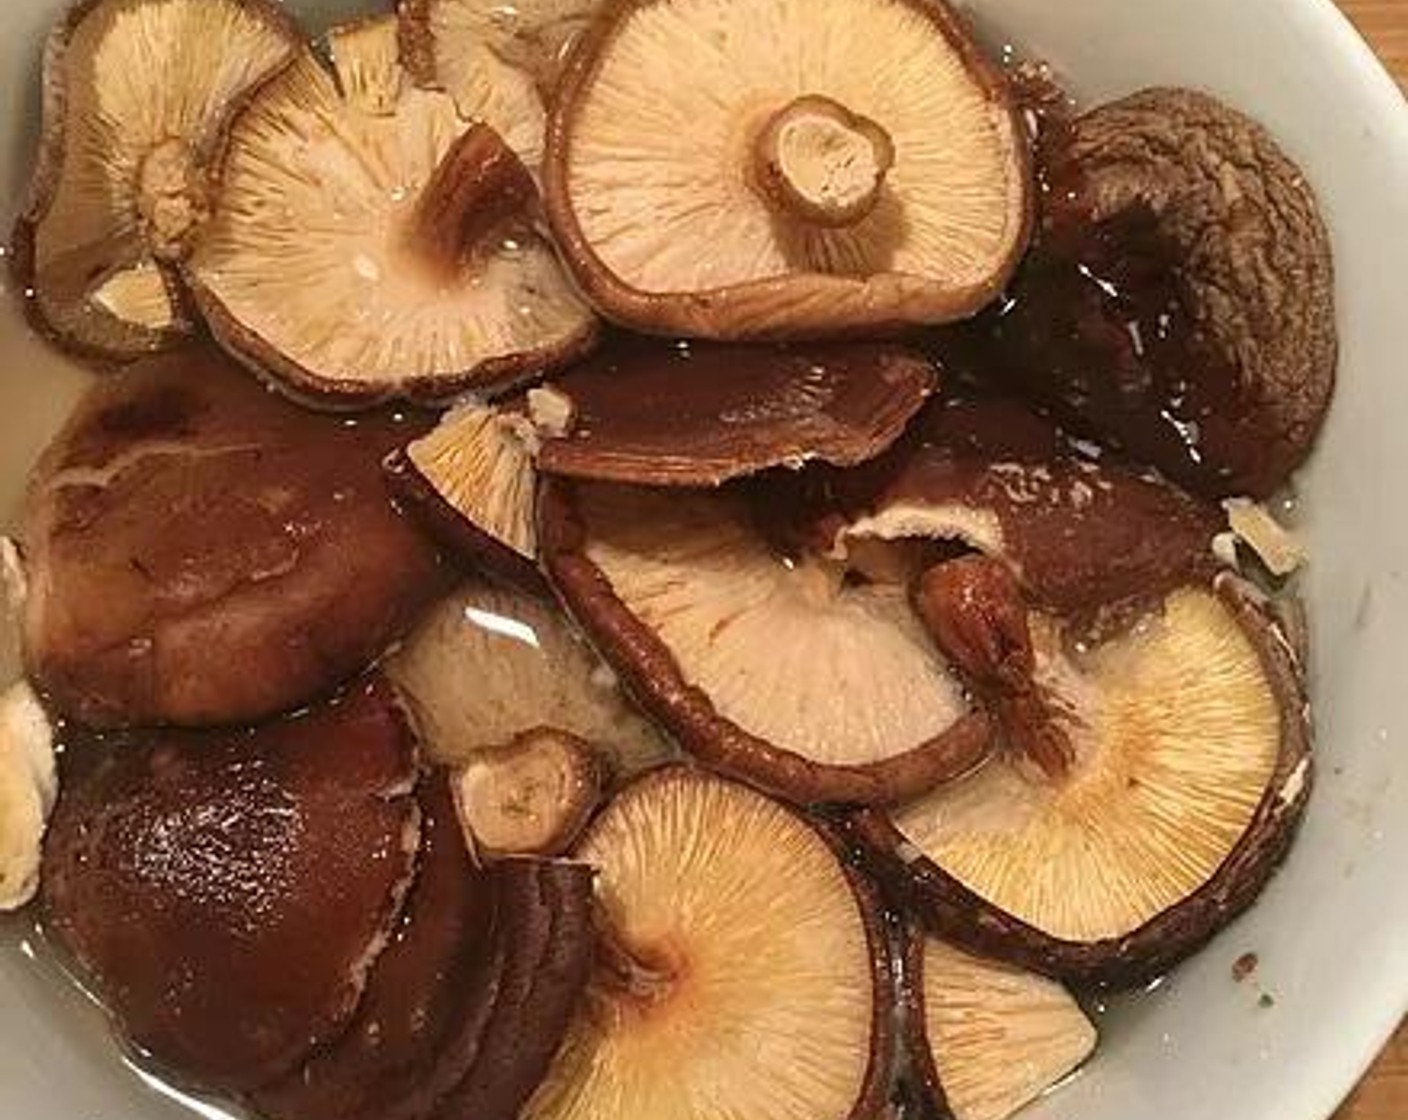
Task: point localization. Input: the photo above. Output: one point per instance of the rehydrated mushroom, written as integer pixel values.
(134, 94)
(1084, 537)
(1180, 301)
(699, 415)
(808, 181)
(229, 892)
(772, 668)
(1191, 766)
(743, 970)
(488, 664)
(28, 787)
(472, 484)
(444, 40)
(369, 242)
(988, 1039)
(1274, 545)
(201, 551)
(531, 796)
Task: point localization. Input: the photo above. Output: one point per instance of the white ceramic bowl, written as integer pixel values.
(1332, 932)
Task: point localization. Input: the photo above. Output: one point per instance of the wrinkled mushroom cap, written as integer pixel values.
(907, 182)
(330, 264)
(134, 94)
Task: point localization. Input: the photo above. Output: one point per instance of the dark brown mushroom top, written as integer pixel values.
(699, 414)
(1180, 299)
(229, 892)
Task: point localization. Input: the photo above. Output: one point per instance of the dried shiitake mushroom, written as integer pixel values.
(369, 242)
(228, 892)
(700, 414)
(986, 1039)
(1191, 766)
(28, 787)
(773, 668)
(488, 664)
(201, 551)
(1180, 300)
(135, 92)
(472, 484)
(742, 970)
(831, 169)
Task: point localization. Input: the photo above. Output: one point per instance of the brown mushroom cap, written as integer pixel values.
(772, 670)
(201, 551)
(134, 94)
(830, 169)
(1191, 770)
(488, 664)
(230, 892)
(700, 415)
(1180, 301)
(368, 242)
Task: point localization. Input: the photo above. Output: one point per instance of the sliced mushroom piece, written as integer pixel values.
(700, 415)
(1191, 769)
(771, 668)
(1280, 553)
(28, 787)
(229, 893)
(368, 242)
(201, 551)
(489, 664)
(808, 181)
(530, 797)
(445, 40)
(743, 970)
(1180, 300)
(134, 94)
(1083, 536)
(472, 484)
(987, 1039)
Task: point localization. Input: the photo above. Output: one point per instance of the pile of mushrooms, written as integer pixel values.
(599, 584)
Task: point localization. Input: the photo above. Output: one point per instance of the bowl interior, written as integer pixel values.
(1332, 982)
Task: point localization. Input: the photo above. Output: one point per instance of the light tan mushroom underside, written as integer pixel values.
(1181, 736)
(307, 251)
(658, 156)
(135, 75)
(838, 675)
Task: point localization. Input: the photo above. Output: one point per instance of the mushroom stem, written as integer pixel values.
(817, 161)
(173, 198)
(479, 183)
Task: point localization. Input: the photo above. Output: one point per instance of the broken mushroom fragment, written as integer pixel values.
(488, 664)
(743, 970)
(471, 483)
(775, 669)
(201, 551)
(28, 787)
(1180, 300)
(369, 242)
(531, 796)
(1190, 768)
(700, 414)
(806, 182)
(134, 94)
(229, 892)
(987, 1039)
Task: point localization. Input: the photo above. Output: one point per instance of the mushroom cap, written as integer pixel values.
(1191, 769)
(229, 892)
(700, 415)
(134, 94)
(310, 270)
(771, 670)
(651, 189)
(1180, 299)
(988, 1039)
(488, 664)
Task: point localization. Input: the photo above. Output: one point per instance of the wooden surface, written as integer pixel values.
(1384, 1093)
